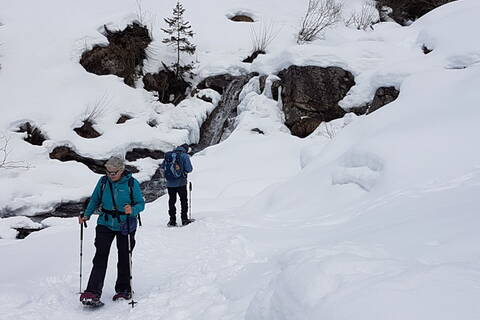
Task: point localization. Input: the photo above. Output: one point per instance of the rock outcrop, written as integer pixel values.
(218, 83)
(406, 11)
(123, 56)
(169, 88)
(383, 96)
(311, 94)
(34, 135)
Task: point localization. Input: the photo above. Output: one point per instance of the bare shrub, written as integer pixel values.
(89, 118)
(364, 19)
(261, 35)
(5, 151)
(95, 110)
(320, 15)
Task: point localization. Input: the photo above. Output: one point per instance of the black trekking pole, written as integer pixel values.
(81, 250)
(190, 200)
(130, 261)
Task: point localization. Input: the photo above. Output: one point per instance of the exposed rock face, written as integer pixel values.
(213, 128)
(122, 57)
(64, 153)
(218, 83)
(67, 209)
(155, 188)
(34, 135)
(170, 89)
(275, 86)
(141, 153)
(242, 18)
(383, 96)
(311, 94)
(24, 232)
(303, 127)
(87, 130)
(405, 11)
(152, 123)
(426, 50)
(257, 131)
(123, 118)
(253, 56)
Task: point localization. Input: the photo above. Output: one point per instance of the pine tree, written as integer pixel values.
(179, 32)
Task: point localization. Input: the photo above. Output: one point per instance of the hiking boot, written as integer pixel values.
(171, 224)
(122, 295)
(186, 221)
(90, 299)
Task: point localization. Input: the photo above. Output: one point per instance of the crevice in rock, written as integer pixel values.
(213, 128)
(152, 123)
(34, 135)
(65, 153)
(123, 118)
(205, 98)
(256, 130)
(426, 50)
(242, 18)
(141, 153)
(25, 232)
(383, 96)
(123, 56)
(168, 87)
(218, 83)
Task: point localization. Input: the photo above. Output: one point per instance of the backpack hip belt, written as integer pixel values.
(113, 213)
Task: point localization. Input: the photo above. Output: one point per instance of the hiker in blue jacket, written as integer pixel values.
(176, 166)
(117, 197)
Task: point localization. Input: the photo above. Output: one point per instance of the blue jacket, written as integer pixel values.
(121, 193)
(186, 165)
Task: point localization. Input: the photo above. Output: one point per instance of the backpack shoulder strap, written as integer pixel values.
(113, 197)
(102, 187)
(130, 186)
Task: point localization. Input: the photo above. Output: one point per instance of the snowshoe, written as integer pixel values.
(187, 221)
(171, 224)
(122, 296)
(91, 300)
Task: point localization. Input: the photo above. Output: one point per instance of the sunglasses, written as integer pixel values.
(113, 173)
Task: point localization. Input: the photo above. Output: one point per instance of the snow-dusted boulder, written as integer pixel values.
(122, 57)
(311, 94)
(383, 96)
(218, 83)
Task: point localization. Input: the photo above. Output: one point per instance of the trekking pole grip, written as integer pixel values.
(84, 222)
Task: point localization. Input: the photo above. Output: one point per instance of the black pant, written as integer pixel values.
(103, 241)
(172, 199)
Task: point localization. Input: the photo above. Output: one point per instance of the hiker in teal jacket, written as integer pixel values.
(117, 197)
(121, 192)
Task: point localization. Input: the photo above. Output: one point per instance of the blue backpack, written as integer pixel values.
(173, 165)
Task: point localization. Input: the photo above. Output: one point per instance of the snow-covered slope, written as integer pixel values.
(376, 221)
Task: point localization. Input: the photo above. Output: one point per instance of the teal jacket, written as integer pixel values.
(121, 193)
